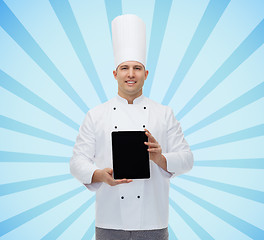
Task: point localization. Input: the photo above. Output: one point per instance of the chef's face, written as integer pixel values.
(130, 77)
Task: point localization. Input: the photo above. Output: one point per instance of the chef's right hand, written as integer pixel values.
(106, 175)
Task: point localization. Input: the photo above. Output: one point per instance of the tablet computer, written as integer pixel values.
(130, 155)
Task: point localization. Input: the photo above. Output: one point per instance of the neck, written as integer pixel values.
(130, 99)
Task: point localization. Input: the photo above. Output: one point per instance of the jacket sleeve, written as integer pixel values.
(82, 164)
(179, 156)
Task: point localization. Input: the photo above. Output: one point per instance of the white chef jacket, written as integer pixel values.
(144, 203)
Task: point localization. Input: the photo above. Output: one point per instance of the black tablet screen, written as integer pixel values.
(130, 155)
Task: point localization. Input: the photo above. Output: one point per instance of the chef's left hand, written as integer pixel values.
(155, 151)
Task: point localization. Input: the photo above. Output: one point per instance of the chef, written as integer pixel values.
(130, 208)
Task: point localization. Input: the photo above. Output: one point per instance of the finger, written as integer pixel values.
(146, 130)
(154, 145)
(113, 182)
(109, 170)
(155, 150)
(123, 181)
(151, 138)
(127, 180)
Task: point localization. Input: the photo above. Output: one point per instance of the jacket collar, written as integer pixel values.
(139, 100)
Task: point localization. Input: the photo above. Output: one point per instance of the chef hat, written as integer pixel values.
(129, 39)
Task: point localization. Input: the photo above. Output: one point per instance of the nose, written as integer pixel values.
(131, 73)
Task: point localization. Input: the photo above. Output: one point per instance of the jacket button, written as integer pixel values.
(122, 197)
(145, 107)
(115, 127)
(144, 126)
(114, 108)
(138, 196)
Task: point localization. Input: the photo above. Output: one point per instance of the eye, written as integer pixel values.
(123, 68)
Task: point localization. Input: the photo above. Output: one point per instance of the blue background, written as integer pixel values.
(206, 61)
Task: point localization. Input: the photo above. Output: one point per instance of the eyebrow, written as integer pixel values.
(133, 66)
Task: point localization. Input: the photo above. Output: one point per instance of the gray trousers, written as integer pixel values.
(111, 234)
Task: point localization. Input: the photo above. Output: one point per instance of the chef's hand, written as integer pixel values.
(106, 175)
(155, 151)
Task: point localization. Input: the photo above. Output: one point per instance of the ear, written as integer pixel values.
(146, 74)
(115, 74)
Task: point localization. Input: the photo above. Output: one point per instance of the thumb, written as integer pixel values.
(109, 170)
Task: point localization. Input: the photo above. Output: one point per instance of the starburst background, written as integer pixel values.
(206, 61)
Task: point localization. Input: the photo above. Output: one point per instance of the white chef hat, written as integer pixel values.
(129, 39)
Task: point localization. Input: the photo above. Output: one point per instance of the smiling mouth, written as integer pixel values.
(130, 82)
